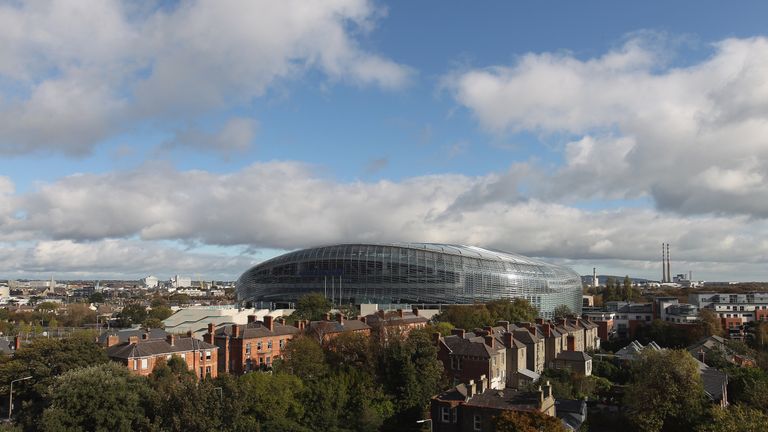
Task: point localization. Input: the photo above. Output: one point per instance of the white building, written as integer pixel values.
(181, 281)
(150, 282)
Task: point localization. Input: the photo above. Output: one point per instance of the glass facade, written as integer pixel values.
(411, 273)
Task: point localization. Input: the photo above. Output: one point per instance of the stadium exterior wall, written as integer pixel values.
(411, 273)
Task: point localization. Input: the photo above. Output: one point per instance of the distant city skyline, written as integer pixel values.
(200, 138)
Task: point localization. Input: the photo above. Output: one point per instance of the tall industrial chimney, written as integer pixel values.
(669, 269)
(663, 265)
(594, 277)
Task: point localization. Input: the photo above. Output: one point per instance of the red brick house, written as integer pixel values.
(140, 354)
(400, 322)
(244, 348)
(467, 356)
(328, 329)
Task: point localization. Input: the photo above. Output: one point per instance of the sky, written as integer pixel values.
(203, 137)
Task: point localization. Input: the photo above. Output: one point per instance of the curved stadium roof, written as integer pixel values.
(410, 273)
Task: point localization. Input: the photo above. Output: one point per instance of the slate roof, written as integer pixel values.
(257, 329)
(634, 349)
(580, 356)
(155, 347)
(473, 346)
(329, 327)
(714, 381)
(124, 334)
(525, 336)
(507, 399)
(394, 319)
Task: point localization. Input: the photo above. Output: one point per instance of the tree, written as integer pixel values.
(122, 401)
(77, 315)
(304, 358)
(312, 307)
(133, 313)
(527, 421)
(96, 297)
(466, 317)
(516, 310)
(43, 359)
(736, 418)
(710, 322)
(272, 400)
(562, 311)
(666, 392)
(160, 312)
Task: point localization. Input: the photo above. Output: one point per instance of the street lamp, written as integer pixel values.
(10, 396)
(424, 421)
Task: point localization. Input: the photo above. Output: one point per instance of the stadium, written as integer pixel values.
(423, 274)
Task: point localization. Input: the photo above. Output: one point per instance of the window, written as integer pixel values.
(268, 362)
(208, 355)
(207, 370)
(248, 348)
(445, 414)
(454, 415)
(144, 363)
(282, 343)
(456, 363)
(477, 423)
(258, 346)
(135, 365)
(269, 344)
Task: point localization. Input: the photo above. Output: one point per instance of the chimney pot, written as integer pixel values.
(269, 323)
(480, 385)
(471, 388)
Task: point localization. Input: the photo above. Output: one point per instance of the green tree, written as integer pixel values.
(78, 314)
(133, 313)
(304, 358)
(43, 359)
(735, 418)
(312, 307)
(562, 311)
(103, 397)
(515, 310)
(272, 400)
(160, 312)
(411, 374)
(710, 322)
(96, 297)
(527, 421)
(466, 317)
(666, 393)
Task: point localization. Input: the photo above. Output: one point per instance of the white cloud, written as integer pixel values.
(285, 205)
(692, 137)
(75, 73)
(113, 258)
(235, 136)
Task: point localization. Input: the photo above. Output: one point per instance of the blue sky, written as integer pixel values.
(203, 137)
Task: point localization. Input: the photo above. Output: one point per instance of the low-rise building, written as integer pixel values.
(466, 356)
(140, 354)
(575, 361)
(255, 345)
(400, 322)
(329, 328)
(474, 406)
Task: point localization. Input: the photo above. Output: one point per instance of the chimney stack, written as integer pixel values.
(269, 323)
(340, 318)
(571, 343)
(504, 324)
(488, 340)
(327, 316)
(144, 336)
(539, 320)
(363, 320)
(112, 340)
(171, 339)
(416, 311)
(436, 337)
(211, 328)
(251, 318)
(400, 313)
(133, 340)
(458, 332)
(481, 384)
(508, 342)
(471, 388)
(235, 331)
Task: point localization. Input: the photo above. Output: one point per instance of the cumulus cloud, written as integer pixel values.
(693, 138)
(75, 73)
(113, 258)
(287, 205)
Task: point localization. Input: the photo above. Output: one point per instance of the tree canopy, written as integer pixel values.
(312, 307)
